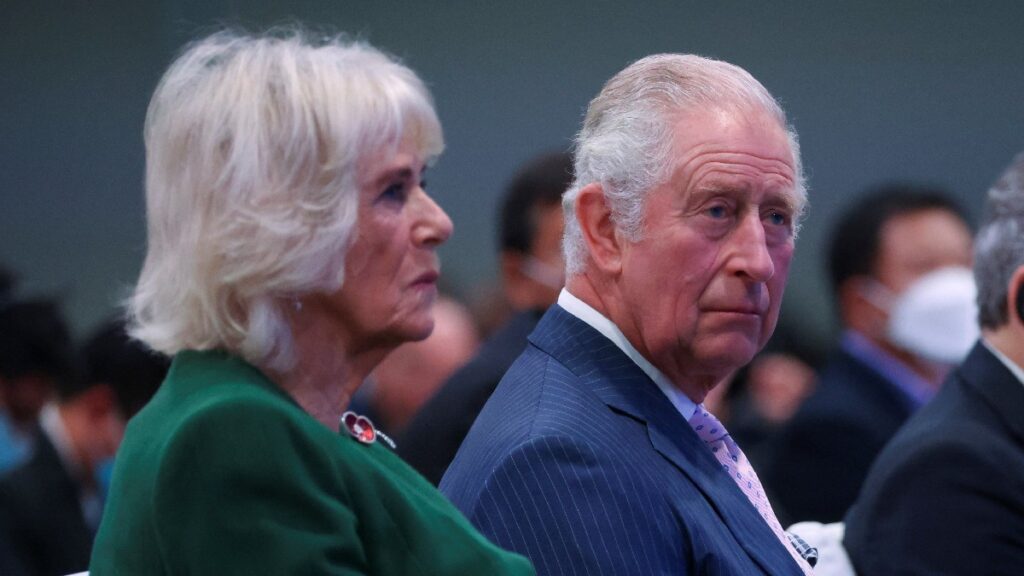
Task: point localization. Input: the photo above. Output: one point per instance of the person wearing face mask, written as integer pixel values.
(898, 262)
(946, 496)
(529, 238)
(50, 507)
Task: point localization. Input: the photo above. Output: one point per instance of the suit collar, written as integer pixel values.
(604, 368)
(609, 330)
(607, 372)
(1001, 390)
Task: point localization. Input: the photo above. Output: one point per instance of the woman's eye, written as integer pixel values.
(394, 193)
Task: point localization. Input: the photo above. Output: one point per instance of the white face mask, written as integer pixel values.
(936, 317)
(543, 273)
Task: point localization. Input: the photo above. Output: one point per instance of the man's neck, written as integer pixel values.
(604, 299)
(63, 428)
(930, 372)
(598, 321)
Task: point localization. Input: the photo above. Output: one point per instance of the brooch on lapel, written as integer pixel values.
(362, 429)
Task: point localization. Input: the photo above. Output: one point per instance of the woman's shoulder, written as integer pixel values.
(203, 384)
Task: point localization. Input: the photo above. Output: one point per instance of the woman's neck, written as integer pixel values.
(328, 366)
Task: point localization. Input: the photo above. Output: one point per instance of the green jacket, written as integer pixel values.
(223, 473)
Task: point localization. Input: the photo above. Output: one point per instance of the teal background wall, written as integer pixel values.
(922, 90)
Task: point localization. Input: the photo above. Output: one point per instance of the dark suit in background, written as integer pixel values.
(821, 457)
(433, 437)
(947, 495)
(598, 473)
(42, 513)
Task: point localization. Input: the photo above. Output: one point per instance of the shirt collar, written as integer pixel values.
(89, 499)
(1014, 369)
(52, 424)
(609, 330)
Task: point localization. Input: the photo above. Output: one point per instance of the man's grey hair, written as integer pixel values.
(999, 247)
(626, 140)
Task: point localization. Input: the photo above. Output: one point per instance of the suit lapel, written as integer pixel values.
(987, 376)
(605, 370)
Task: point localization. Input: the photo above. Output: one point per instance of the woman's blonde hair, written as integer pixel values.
(253, 151)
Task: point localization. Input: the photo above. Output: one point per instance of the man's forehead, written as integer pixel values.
(722, 147)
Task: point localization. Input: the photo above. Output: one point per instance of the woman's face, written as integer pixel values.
(392, 268)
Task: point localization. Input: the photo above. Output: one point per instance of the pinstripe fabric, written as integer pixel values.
(580, 463)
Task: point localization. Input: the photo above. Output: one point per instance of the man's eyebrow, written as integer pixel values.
(786, 197)
(723, 188)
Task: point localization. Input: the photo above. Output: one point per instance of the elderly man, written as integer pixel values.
(594, 455)
(946, 496)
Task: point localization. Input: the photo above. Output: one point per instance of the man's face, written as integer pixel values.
(704, 284)
(24, 396)
(914, 244)
(546, 255)
(533, 280)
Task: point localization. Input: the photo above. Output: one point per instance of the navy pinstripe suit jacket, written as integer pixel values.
(580, 463)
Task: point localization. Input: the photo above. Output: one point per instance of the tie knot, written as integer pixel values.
(707, 427)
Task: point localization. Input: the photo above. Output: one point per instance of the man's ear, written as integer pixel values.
(1016, 301)
(595, 218)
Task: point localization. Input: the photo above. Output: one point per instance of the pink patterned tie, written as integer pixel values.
(736, 465)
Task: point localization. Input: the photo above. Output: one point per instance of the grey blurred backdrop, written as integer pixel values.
(921, 90)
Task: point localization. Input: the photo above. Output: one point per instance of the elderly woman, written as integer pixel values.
(291, 247)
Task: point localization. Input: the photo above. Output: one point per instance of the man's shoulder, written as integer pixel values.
(850, 393)
(496, 354)
(951, 466)
(956, 421)
(41, 473)
(544, 416)
(537, 395)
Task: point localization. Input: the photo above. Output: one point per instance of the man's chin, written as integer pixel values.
(729, 353)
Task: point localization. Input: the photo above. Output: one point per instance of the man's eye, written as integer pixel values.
(717, 212)
(778, 218)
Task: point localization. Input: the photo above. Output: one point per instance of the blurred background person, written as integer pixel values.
(51, 505)
(903, 327)
(532, 271)
(36, 357)
(946, 496)
(407, 377)
(291, 247)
